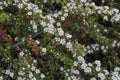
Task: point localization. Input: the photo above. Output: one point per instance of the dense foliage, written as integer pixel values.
(59, 40)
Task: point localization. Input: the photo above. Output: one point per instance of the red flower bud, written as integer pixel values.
(66, 22)
(30, 41)
(10, 39)
(81, 18)
(3, 37)
(18, 49)
(35, 51)
(54, 46)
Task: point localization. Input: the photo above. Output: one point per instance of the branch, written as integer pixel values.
(13, 47)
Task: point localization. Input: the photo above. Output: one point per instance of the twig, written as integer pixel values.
(13, 47)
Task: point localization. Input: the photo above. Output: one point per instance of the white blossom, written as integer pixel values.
(30, 75)
(1, 78)
(101, 76)
(42, 76)
(62, 41)
(58, 24)
(93, 78)
(7, 72)
(20, 6)
(75, 63)
(98, 68)
(44, 50)
(98, 63)
(33, 68)
(69, 45)
(29, 13)
(11, 74)
(21, 53)
(60, 31)
(68, 36)
(62, 18)
(37, 71)
(83, 1)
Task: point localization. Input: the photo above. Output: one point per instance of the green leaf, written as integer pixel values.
(58, 1)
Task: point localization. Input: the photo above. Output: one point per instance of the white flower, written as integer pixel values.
(44, 50)
(83, 66)
(87, 70)
(21, 73)
(102, 47)
(80, 59)
(33, 78)
(38, 42)
(86, 4)
(101, 76)
(21, 53)
(105, 18)
(19, 78)
(97, 48)
(115, 73)
(93, 78)
(75, 63)
(90, 64)
(113, 45)
(37, 71)
(88, 47)
(117, 69)
(30, 75)
(104, 50)
(98, 63)
(76, 72)
(98, 30)
(73, 77)
(106, 72)
(34, 26)
(83, 1)
(1, 78)
(58, 24)
(65, 14)
(62, 41)
(61, 68)
(7, 72)
(44, 1)
(62, 18)
(114, 78)
(68, 5)
(42, 76)
(68, 78)
(20, 6)
(69, 45)
(98, 68)
(59, 13)
(28, 66)
(92, 4)
(106, 7)
(99, 12)
(55, 15)
(57, 39)
(60, 31)
(103, 1)
(11, 74)
(66, 74)
(29, 13)
(33, 68)
(105, 30)
(43, 23)
(68, 36)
